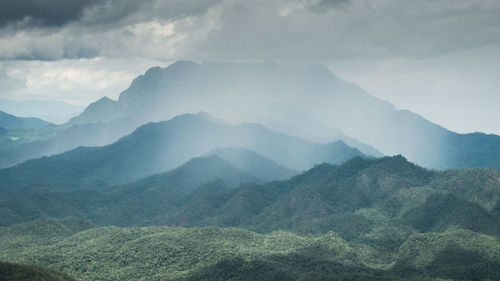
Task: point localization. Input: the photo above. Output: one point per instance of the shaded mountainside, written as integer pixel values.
(9, 122)
(21, 272)
(159, 147)
(127, 204)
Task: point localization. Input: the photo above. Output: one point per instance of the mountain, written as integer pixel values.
(52, 139)
(318, 200)
(305, 101)
(159, 147)
(255, 164)
(8, 121)
(161, 94)
(52, 111)
(360, 199)
(157, 195)
(300, 100)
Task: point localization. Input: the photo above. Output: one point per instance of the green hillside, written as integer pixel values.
(171, 253)
(21, 272)
(367, 219)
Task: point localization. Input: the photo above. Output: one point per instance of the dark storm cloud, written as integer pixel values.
(131, 11)
(288, 30)
(71, 29)
(21, 14)
(27, 13)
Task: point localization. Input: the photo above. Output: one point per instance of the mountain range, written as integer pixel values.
(308, 101)
(287, 180)
(365, 219)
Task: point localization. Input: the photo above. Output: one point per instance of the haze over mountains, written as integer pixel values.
(10, 122)
(306, 101)
(52, 111)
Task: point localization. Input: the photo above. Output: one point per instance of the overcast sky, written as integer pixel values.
(438, 58)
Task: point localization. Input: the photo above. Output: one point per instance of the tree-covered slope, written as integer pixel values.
(173, 253)
(458, 255)
(167, 253)
(21, 272)
(367, 219)
(358, 199)
(126, 204)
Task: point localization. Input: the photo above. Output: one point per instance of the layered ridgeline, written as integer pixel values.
(302, 100)
(378, 219)
(359, 199)
(162, 94)
(159, 147)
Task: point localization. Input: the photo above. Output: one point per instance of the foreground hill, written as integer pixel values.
(159, 147)
(168, 253)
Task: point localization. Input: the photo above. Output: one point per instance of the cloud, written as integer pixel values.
(28, 13)
(288, 30)
(48, 36)
(325, 5)
(76, 81)
(25, 14)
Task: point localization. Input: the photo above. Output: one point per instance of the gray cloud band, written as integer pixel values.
(290, 30)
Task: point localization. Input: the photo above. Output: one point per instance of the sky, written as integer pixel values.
(440, 58)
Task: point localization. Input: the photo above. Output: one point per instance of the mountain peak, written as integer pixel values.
(96, 111)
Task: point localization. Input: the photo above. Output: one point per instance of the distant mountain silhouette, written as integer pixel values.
(9, 121)
(303, 100)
